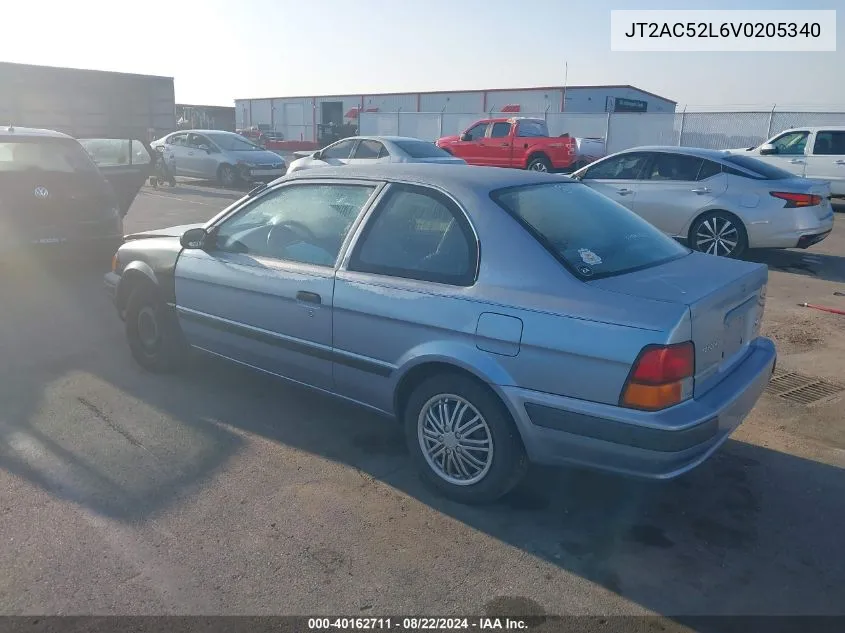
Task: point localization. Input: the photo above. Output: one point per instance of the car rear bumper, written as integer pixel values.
(661, 445)
(804, 229)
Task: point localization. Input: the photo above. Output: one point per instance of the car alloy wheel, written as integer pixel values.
(149, 334)
(227, 176)
(538, 165)
(455, 439)
(717, 235)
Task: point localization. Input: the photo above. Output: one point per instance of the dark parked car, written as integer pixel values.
(54, 196)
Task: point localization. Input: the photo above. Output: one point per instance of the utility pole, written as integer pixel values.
(565, 79)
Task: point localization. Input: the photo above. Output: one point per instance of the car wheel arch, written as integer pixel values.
(486, 372)
(133, 274)
(537, 154)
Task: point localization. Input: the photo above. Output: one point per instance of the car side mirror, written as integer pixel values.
(767, 149)
(205, 148)
(194, 239)
(466, 137)
(318, 155)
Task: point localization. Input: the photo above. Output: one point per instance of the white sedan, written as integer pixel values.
(369, 150)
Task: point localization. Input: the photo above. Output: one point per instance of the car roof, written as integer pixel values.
(10, 131)
(448, 177)
(699, 152)
(816, 128)
(381, 138)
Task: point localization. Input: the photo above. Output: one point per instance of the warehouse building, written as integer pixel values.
(86, 103)
(301, 120)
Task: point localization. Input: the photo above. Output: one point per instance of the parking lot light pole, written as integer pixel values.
(442, 111)
(771, 118)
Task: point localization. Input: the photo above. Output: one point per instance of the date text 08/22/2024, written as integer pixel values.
(416, 624)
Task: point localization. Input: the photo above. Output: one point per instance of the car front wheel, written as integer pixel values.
(155, 339)
(463, 440)
(226, 176)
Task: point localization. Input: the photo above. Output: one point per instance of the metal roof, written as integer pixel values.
(474, 90)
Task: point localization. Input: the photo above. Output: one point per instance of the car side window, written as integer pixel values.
(829, 144)
(369, 149)
(299, 223)
(677, 167)
(196, 140)
(106, 152)
(177, 139)
(708, 170)
(500, 130)
(477, 131)
(791, 143)
(139, 155)
(622, 167)
(339, 150)
(418, 233)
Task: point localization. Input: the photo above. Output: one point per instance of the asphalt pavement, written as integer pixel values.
(220, 491)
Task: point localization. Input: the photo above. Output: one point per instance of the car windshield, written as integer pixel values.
(421, 149)
(233, 142)
(44, 154)
(768, 172)
(590, 234)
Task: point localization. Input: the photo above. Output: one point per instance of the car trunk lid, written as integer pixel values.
(725, 298)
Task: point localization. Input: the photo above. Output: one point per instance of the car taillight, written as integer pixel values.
(660, 377)
(797, 199)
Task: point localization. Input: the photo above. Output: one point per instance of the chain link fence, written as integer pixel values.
(714, 130)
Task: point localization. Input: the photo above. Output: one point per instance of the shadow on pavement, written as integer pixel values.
(799, 262)
(751, 531)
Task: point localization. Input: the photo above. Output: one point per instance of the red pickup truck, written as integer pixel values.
(518, 142)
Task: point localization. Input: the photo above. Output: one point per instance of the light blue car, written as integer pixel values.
(501, 316)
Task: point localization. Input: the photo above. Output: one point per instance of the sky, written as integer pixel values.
(221, 50)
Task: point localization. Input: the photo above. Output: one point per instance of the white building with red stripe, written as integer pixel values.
(299, 119)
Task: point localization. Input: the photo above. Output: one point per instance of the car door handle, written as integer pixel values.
(310, 297)
(700, 190)
(839, 162)
(506, 144)
(797, 161)
(624, 192)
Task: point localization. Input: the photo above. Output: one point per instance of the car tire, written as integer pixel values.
(539, 163)
(152, 331)
(718, 233)
(226, 176)
(453, 463)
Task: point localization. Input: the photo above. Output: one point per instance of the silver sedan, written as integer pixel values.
(226, 157)
(717, 202)
(502, 316)
(368, 150)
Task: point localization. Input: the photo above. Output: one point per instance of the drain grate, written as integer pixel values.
(800, 389)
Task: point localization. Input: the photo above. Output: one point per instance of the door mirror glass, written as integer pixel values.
(466, 136)
(194, 238)
(205, 148)
(767, 149)
(318, 155)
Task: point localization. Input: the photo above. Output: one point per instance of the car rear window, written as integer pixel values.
(528, 128)
(421, 149)
(44, 154)
(590, 234)
(764, 170)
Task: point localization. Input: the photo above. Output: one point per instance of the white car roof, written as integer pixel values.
(11, 131)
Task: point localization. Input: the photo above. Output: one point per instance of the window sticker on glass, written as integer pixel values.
(589, 257)
(586, 271)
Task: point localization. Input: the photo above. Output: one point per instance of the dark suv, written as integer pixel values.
(56, 196)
